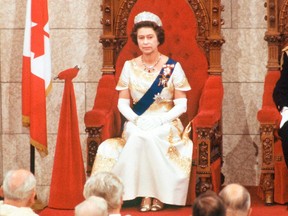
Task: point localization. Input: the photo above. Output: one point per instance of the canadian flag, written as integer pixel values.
(36, 73)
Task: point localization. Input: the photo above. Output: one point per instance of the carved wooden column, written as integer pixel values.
(108, 42)
(215, 39)
(272, 35)
(267, 170)
(93, 141)
(273, 38)
(203, 160)
(107, 38)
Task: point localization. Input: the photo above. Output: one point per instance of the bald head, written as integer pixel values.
(237, 199)
(19, 184)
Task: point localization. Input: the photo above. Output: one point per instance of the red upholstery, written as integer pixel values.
(105, 110)
(269, 112)
(210, 107)
(269, 115)
(180, 44)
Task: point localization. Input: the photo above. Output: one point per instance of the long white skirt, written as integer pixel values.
(154, 163)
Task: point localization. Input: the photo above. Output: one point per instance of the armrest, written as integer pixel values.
(105, 114)
(210, 107)
(268, 114)
(207, 135)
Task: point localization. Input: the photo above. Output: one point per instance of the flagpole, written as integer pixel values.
(32, 159)
(36, 76)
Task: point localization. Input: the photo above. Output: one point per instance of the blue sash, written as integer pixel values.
(148, 98)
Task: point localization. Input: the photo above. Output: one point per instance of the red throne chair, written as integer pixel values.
(192, 37)
(273, 186)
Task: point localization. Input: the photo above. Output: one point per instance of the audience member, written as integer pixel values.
(208, 204)
(19, 189)
(237, 200)
(92, 206)
(108, 186)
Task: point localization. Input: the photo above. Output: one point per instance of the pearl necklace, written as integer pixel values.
(151, 68)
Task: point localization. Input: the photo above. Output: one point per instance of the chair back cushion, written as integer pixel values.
(180, 27)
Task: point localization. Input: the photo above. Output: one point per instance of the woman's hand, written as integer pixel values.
(148, 123)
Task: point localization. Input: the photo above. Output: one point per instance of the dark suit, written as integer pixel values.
(280, 97)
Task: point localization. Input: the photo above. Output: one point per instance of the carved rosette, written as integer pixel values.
(283, 22)
(91, 154)
(94, 132)
(106, 20)
(204, 133)
(213, 43)
(203, 185)
(273, 38)
(267, 151)
(203, 136)
(203, 154)
(107, 42)
(201, 17)
(283, 16)
(93, 141)
(122, 17)
(267, 137)
(267, 186)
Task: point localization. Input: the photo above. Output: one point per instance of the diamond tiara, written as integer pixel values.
(147, 16)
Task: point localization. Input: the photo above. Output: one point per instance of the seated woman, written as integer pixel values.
(153, 157)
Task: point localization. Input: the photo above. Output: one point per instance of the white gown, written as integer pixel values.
(154, 163)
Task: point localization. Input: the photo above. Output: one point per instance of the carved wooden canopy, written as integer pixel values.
(115, 17)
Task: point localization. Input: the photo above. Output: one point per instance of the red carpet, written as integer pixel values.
(259, 209)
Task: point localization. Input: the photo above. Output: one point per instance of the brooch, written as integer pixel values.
(158, 98)
(164, 77)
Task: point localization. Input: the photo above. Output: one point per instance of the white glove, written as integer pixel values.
(125, 109)
(148, 122)
(180, 107)
(284, 113)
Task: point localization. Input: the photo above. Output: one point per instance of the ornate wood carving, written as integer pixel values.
(267, 151)
(209, 141)
(272, 35)
(203, 185)
(122, 18)
(276, 37)
(267, 169)
(211, 42)
(208, 15)
(203, 155)
(267, 139)
(267, 185)
(93, 141)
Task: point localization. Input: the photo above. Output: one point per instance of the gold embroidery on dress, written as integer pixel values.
(176, 125)
(172, 150)
(118, 141)
(103, 163)
(183, 163)
(186, 132)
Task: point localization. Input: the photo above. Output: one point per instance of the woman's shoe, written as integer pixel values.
(145, 204)
(157, 205)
